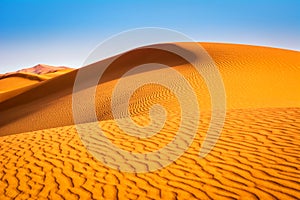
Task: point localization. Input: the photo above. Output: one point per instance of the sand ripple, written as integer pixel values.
(257, 157)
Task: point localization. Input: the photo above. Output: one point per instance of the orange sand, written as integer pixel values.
(257, 155)
(15, 83)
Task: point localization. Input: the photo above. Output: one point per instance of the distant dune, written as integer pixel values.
(15, 83)
(256, 157)
(38, 69)
(43, 69)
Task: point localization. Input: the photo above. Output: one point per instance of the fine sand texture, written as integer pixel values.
(256, 157)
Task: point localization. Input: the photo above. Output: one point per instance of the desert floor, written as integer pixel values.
(256, 157)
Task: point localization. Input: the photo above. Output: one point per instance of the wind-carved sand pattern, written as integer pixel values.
(256, 157)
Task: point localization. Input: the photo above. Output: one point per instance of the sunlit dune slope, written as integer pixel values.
(256, 157)
(254, 77)
(15, 83)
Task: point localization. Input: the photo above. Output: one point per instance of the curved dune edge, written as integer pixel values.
(13, 84)
(256, 157)
(254, 77)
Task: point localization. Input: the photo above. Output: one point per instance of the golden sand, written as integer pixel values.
(256, 157)
(15, 83)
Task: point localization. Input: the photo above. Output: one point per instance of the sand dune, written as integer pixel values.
(43, 69)
(15, 83)
(256, 157)
(252, 76)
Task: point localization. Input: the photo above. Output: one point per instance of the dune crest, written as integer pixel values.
(43, 69)
(256, 156)
(252, 75)
(15, 83)
(37, 69)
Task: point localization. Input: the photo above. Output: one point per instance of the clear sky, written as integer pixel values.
(64, 32)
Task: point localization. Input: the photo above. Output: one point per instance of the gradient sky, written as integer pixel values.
(63, 33)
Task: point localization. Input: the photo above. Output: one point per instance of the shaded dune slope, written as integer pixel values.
(243, 68)
(15, 83)
(52, 99)
(256, 156)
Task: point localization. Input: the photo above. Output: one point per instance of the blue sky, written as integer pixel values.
(64, 32)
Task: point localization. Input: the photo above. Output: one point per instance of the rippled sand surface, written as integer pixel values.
(256, 157)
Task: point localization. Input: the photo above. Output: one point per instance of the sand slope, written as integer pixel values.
(256, 157)
(253, 78)
(15, 83)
